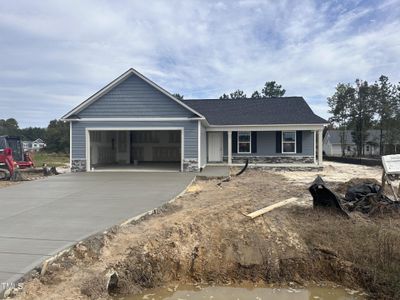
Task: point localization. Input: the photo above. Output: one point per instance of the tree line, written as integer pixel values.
(362, 106)
(55, 135)
(270, 89)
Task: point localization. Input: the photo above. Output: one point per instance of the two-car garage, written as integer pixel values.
(134, 149)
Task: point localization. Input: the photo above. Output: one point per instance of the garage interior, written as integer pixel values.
(135, 150)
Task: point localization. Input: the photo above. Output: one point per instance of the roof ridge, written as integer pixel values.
(242, 99)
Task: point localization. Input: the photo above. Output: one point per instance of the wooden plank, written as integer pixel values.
(264, 210)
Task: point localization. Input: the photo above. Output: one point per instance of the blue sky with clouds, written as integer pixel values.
(54, 54)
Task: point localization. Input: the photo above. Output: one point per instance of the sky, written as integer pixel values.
(55, 54)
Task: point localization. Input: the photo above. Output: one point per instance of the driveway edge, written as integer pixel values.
(4, 294)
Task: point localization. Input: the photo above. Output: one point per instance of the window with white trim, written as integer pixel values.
(244, 142)
(288, 141)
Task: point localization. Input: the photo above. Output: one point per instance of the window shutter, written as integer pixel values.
(278, 142)
(234, 141)
(254, 142)
(299, 141)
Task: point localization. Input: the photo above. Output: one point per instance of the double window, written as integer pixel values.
(288, 141)
(244, 142)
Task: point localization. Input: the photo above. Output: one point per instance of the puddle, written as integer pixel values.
(244, 293)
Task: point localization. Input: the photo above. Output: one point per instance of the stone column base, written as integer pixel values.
(78, 165)
(274, 159)
(190, 165)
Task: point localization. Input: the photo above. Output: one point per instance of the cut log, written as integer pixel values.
(264, 210)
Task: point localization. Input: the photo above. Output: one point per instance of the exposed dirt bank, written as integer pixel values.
(205, 237)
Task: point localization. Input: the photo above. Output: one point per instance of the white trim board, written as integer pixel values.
(87, 138)
(131, 119)
(278, 127)
(117, 81)
(198, 144)
(70, 146)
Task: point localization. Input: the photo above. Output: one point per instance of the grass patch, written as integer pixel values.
(51, 159)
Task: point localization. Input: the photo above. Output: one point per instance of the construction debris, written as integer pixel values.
(367, 198)
(264, 210)
(47, 171)
(324, 197)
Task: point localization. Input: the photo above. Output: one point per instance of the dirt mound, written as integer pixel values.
(342, 188)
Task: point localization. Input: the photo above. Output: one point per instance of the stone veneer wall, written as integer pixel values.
(274, 159)
(78, 165)
(190, 165)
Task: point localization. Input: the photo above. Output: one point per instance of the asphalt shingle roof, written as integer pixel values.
(266, 111)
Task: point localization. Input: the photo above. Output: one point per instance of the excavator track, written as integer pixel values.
(4, 174)
(17, 176)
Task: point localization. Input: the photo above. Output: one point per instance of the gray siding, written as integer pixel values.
(266, 145)
(308, 143)
(134, 98)
(79, 140)
(203, 145)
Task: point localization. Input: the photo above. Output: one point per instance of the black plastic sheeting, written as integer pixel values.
(365, 198)
(324, 197)
(368, 199)
(360, 191)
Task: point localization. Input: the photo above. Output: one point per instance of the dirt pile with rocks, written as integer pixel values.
(204, 236)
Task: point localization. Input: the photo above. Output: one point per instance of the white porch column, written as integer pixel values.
(229, 147)
(320, 147)
(315, 146)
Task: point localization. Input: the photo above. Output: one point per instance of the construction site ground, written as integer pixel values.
(205, 237)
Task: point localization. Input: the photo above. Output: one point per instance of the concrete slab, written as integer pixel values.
(215, 172)
(32, 246)
(43, 217)
(18, 263)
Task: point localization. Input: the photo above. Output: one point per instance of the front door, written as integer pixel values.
(215, 146)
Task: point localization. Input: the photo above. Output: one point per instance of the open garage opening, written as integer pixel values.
(135, 150)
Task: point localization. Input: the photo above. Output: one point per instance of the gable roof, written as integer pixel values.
(38, 140)
(333, 136)
(264, 111)
(116, 82)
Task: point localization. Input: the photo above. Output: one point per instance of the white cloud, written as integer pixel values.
(55, 54)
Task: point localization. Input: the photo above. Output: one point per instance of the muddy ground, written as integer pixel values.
(205, 237)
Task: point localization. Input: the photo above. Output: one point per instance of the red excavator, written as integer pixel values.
(13, 157)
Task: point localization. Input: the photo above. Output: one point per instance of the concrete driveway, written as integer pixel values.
(40, 218)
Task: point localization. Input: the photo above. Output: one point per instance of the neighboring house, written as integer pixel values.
(333, 144)
(133, 123)
(35, 145)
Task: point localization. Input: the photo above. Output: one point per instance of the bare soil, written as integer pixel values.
(205, 237)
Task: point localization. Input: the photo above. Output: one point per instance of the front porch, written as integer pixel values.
(270, 147)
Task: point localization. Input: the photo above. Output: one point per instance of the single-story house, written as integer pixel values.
(132, 123)
(333, 143)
